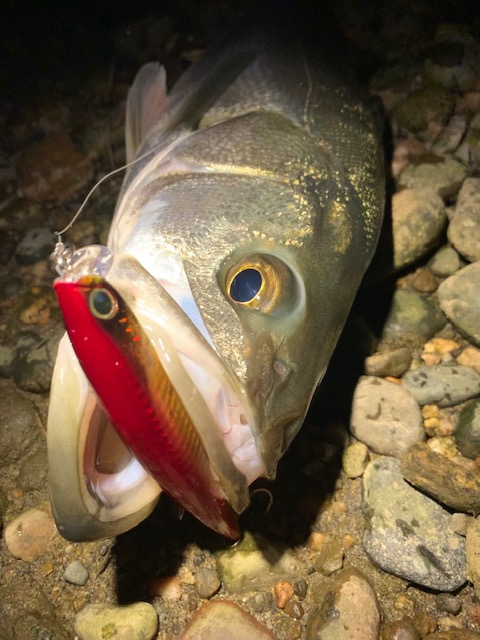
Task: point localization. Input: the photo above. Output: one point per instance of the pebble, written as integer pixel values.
(423, 280)
(222, 619)
(467, 433)
(76, 573)
(385, 416)
(460, 522)
(207, 582)
(19, 424)
(443, 174)
(168, 588)
(247, 567)
(450, 137)
(400, 630)
(421, 107)
(283, 592)
(294, 609)
(472, 139)
(34, 470)
(457, 634)
(473, 554)
(445, 262)
(412, 318)
(418, 219)
(459, 299)
(330, 558)
(355, 459)
(470, 357)
(349, 611)
(407, 533)
(449, 603)
(28, 536)
(53, 171)
(388, 363)
(37, 244)
(445, 385)
(99, 621)
(464, 229)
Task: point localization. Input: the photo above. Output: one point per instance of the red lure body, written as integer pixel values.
(128, 378)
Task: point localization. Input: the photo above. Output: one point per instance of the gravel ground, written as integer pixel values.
(369, 530)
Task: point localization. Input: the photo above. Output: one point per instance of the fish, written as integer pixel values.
(249, 213)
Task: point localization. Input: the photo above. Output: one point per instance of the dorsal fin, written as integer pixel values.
(145, 102)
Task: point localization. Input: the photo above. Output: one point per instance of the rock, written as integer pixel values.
(450, 137)
(19, 424)
(412, 317)
(9, 239)
(449, 603)
(33, 471)
(452, 484)
(467, 433)
(472, 139)
(53, 171)
(459, 298)
(282, 592)
(7, 359)
(36, 304)
(388, 363)
(407, 533)
(445, 262)
(207, 582)
(256, 563)
(222, 619)
(470, 357)
(456, 634)
(423, 280)
(400, 630)
(330, 558)
(445, 385)
(36, 244)
(473, 554)
(168, 588)
(418, 219)
(385, 416)
(442, 174)
(137, 621)
(355, 459)
(76, 573)
(464, 229)
(28, 536)
(460, 522)
(349, 611)
(421, 107)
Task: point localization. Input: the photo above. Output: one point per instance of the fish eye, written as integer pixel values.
(245, 285)
(102, 304)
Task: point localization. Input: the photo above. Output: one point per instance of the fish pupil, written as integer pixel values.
(246, 285)
(102, 304)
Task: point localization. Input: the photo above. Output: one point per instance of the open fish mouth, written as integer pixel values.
(182, 398)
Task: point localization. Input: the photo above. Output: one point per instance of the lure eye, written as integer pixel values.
(245, 285)
(102, 304)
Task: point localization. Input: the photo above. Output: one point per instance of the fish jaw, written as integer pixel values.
(149, 416)
(97, 487)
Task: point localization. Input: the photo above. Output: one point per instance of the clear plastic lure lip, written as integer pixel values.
(209, 392)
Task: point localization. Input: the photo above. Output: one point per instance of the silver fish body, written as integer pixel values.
(255, 208)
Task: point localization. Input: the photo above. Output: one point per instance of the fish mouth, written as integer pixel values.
(211, 394)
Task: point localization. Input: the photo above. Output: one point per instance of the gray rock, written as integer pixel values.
(449, 603)
(37, 244)
(445, 262)
(19, 424)
(388, 363)
(413, 318)
(207, 582)
(467, 432)
(407, 533)
(451, 136)
(385, 416)
(445, 385)
(357, 614)
(459, 298)
(76, 573)
(33, 471)
(464, 229)
(137, 621)
(418, 220)
(443, 174)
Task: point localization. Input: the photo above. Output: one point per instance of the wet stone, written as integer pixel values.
(207, 582)
(443, 174)
(19, 424)
(357, 615)
(459, 298)
(355, 459)
(385, 416)
(418, 219)
(412, 318)
(407, 533)
(400, 630)
(28, 536)
(445, 385)
(232, 620)
(452, 484)
(389, 363)
(445, 262)
(76, 573)
(467, 432)
(37, 244)
(137, 621)
(464, 229)
(449, 603)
